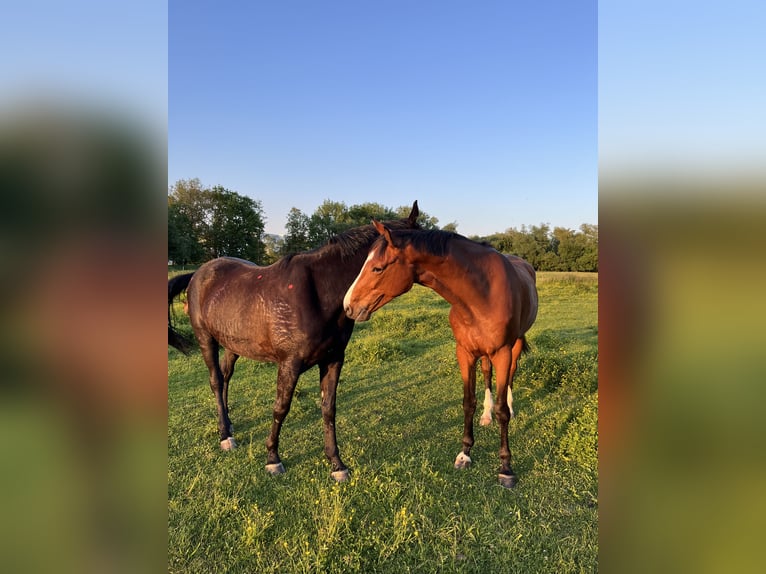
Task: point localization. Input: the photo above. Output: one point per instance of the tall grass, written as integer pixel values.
(399, 426)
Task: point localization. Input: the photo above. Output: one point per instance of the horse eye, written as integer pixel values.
(377, 269)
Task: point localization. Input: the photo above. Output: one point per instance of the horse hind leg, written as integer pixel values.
(518, 348)
(486, 369)
(503, 360)
(229, 359)
(209, 347)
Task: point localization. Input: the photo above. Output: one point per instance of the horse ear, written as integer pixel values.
(413, 217)
(383, 230)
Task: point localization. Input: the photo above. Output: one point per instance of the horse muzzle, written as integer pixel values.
(358, 314)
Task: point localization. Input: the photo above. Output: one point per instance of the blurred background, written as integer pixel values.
(83, 124)
(682, 209)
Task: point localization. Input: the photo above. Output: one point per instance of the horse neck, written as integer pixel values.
(447, 276)
(336, 273)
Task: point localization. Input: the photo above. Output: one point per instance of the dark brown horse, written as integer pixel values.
(494, 303)
(290, 313)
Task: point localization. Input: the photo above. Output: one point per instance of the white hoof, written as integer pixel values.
(485, 420)
(462, 461)
(340, 475)
(228, 444)
(275, 469)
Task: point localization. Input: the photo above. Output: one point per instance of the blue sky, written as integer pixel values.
(484, 112)
(682, 87)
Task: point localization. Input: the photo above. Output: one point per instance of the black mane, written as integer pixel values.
(346, 244)
(433, 241)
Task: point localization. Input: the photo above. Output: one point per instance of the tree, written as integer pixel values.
(588, 261)
(450, 227)
(274, 248)
(183, 247)
(560, 250)
(205, 223)
(334, 217)
(297, 236)
(329, 219)
(364, 213)
(236, 226)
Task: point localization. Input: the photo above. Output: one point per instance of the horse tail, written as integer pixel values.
(176, 286)
(525, 348)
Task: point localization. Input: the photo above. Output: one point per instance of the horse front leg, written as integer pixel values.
(329, 374)
(287, 377)
(502, 362)
(486, 369)
(467, 363)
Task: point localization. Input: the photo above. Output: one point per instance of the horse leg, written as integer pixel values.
(329, 374)
(515, 354)
(486, 369)
(229, 358)
(209, 347)
(287, 378)
(467, 363)
(502, 361)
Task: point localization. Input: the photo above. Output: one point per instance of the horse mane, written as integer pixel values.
(346, 244)
(433, 241)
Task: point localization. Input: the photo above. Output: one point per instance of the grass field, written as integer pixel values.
(399, 426)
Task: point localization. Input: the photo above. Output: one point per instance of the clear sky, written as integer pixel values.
(485, 112)
(682, 86)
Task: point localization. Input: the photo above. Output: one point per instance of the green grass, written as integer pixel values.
(399, 426)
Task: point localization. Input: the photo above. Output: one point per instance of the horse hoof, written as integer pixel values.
(462, 461)
(228, 444)
(340, 475)
(485, 421)
(507, 480)
(275, 469)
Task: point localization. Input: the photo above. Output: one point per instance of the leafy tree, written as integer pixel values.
(297, 237)
(559, 250)
(205, 223)
(236, 226)
(364, 213)
(532, 244)
(192, 200)
(450, 227)
(334, 217)
(274, 248)
(588, 261)
(183, 246)
(329, 219)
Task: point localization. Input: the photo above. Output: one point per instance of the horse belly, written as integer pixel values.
(248, 330)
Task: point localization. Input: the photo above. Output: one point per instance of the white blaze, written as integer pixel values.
(347, 298)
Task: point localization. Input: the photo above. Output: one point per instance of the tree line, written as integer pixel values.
(208, 222)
